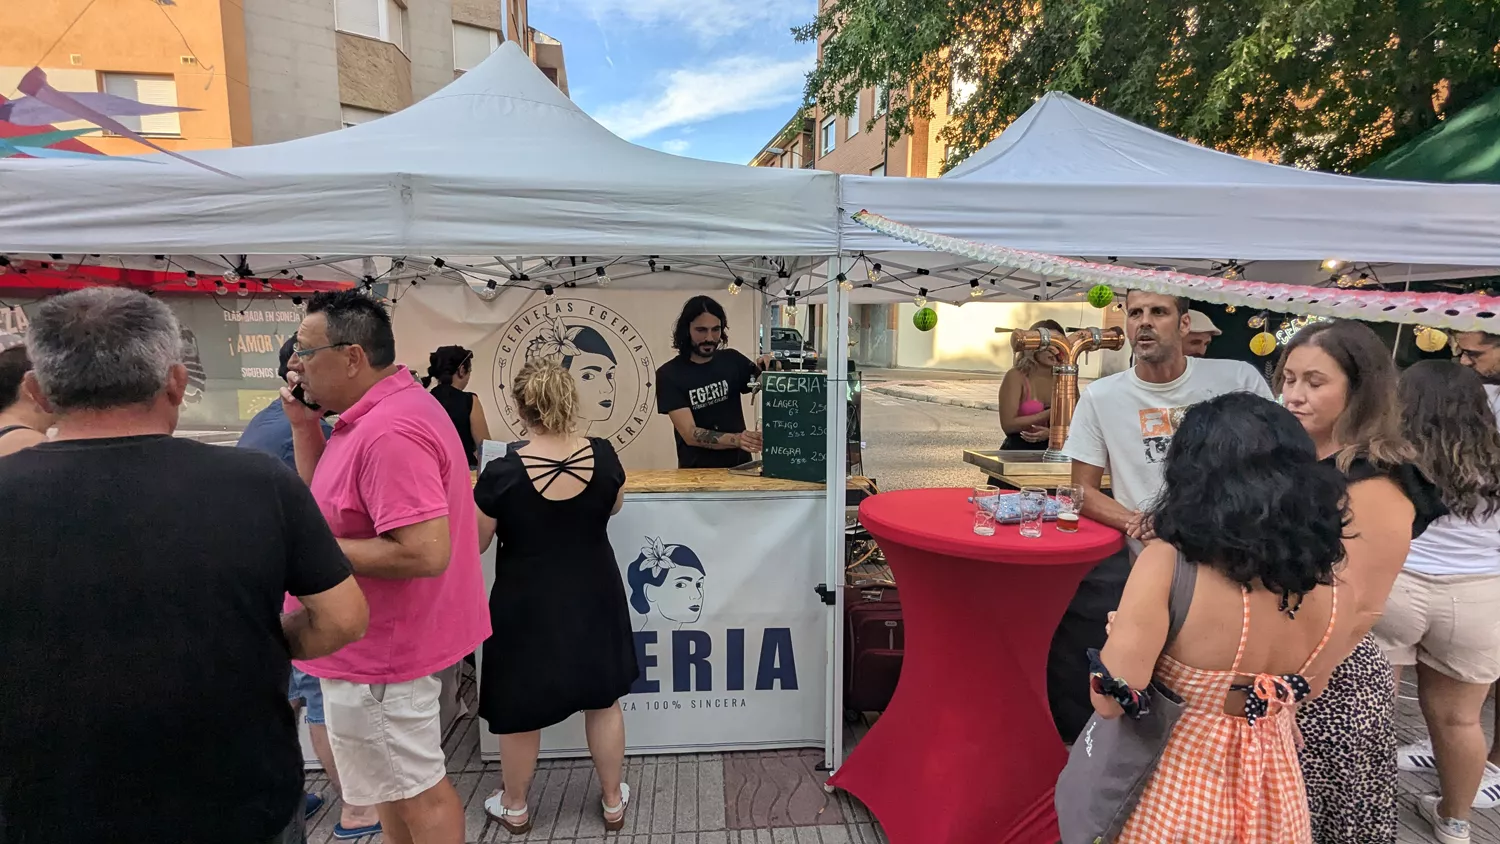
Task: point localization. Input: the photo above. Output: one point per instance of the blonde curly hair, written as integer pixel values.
(546, 396)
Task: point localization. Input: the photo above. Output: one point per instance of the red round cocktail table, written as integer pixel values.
(967, 752)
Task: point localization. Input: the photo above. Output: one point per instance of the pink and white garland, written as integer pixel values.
(1441, 310)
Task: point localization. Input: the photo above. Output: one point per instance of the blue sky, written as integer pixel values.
(709, 79)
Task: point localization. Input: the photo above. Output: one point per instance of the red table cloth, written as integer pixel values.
(967, 752)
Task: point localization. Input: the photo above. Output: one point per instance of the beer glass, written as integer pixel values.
(1033, 508)
(1069, 507)
(985, 499)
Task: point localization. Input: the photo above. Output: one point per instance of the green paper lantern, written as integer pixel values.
(924, 319)
(1100, 296)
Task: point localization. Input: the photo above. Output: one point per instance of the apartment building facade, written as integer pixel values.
(261, 72)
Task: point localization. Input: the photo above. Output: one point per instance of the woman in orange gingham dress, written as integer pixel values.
(1227, 777)
(1245, 498)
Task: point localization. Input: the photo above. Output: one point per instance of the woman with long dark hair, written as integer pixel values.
(448, 372)
(1026, 396)
(1443, 615)
(1337, 378)
(1236, 464)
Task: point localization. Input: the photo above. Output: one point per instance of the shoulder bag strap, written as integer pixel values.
(1184, 582)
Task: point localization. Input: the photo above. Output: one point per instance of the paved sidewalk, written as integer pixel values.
(710, 798)
(977, 394)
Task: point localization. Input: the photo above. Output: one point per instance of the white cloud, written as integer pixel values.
(693, 95)
(709, 20)
(676, 146)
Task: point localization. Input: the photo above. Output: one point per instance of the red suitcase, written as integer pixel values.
(874, 644)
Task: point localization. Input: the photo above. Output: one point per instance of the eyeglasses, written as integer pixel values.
(1471, 354)
(304, 354)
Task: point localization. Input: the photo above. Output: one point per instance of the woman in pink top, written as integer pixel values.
(1026, 396)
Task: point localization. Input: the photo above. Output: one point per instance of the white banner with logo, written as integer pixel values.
(611, 340)
(730, 636)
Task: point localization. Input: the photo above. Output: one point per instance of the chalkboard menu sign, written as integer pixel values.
(794, 421)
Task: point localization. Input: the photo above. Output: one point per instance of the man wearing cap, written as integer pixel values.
(1201, 332)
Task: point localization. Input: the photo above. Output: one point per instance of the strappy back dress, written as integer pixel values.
(562, 640)
(1228, 778)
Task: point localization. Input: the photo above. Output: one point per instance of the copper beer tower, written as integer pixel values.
(1068, 349)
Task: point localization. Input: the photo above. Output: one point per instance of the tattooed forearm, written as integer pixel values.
(703, 436)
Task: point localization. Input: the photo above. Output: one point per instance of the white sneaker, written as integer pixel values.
(1446, 830)
(1488, 796)
(1417, 757)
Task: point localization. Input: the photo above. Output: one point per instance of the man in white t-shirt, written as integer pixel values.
(1123, 425)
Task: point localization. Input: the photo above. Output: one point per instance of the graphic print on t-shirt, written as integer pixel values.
(701, 397)
(1157, 426)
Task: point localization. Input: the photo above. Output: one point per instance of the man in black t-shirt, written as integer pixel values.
(700, 389)
(145, 655)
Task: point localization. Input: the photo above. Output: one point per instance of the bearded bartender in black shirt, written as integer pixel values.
(700, 389)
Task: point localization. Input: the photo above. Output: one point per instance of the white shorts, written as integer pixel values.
(387, 739)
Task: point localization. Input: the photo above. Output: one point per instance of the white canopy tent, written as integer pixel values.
(499, 163)
(1070, 179)
(497, 180)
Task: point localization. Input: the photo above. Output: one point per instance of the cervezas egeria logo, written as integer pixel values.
(608, 358)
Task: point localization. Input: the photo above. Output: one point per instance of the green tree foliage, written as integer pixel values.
(1326, 84)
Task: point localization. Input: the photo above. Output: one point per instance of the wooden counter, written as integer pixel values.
(712, 480)
(1015, 469)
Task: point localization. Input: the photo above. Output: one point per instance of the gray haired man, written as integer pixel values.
(142, 638)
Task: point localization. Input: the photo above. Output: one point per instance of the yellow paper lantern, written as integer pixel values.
(1431, 339)
(1263, 343)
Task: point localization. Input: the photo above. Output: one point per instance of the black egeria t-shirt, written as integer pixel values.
(145, 671)
(712, 390)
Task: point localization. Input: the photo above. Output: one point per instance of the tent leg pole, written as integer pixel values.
(836, 329)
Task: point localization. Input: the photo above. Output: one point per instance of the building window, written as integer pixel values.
(472, 45)
(151, 90)
(878, 170)
(830, 134)
(853, 128)
(384, 20)
(353, 116)
(882, 99)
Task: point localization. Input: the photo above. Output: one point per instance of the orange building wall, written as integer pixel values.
(132, 36)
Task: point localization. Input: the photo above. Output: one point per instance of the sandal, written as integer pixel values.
(618, 823)
(494, 807)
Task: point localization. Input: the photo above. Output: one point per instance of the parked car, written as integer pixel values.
(788, 347)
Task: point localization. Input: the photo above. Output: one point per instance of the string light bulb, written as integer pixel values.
(219, 288)
(974, 289)
(874, 273)
(1332, 264)
(298, 280)
(734, 287)
(921, 298)
(190, 279)
(601, 277)
(1229, 309)
(547, 288)
(243, 291)
(844, 283)
(230, 276)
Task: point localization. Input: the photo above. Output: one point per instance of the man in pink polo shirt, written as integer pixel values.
(393, 483)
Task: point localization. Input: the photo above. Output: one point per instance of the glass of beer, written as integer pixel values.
(1033, 510)
(985, 499)
(1069, 507)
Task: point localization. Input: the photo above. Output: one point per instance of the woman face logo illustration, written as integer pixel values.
(585, 353)
(594, 374)
(667, 581)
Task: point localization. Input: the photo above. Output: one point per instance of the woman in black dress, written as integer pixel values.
(562, 640)
(1337, 378)
(451, 367)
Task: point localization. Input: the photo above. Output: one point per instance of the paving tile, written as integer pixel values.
(687, 796)
(664, 802)
(712, 796)
(715, 837)
(836, 835)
